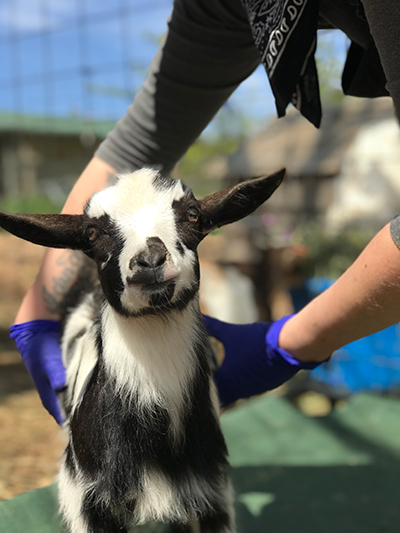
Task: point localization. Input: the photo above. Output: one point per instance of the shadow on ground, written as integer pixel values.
(318, 500)
(323, 475)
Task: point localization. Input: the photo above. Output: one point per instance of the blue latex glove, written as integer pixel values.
(254, 363)
(38, 342)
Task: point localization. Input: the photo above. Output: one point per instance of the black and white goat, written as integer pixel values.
(144, 436)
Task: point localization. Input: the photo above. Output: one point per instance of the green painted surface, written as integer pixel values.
(339, 473)
(33, 512)
(292, 474)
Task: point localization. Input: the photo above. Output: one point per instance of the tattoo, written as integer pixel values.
(111, 179)
(78, 277)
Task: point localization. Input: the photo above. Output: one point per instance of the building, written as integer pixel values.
(347, 171)
(45, 154)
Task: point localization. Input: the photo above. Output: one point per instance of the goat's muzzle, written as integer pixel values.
(147, 276)
(151, 268)
(152, 285)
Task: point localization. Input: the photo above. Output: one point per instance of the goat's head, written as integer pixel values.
(143, 233)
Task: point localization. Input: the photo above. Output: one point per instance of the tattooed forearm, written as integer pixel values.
(111, 179)
(78, 275)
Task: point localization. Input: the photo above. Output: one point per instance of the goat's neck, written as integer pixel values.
(153, 358)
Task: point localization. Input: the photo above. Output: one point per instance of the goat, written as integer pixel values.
(144, 436)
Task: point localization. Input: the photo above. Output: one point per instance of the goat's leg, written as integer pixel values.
(80, 511)
(71, 496)
(222, 518)
(175, 527)
(219, 521)
(99, 518)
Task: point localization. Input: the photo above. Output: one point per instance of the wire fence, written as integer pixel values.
(69, 69)
(76, 59)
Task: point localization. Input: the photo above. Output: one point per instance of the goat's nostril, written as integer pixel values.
(143, 262)
(154, 259)
(160, 259)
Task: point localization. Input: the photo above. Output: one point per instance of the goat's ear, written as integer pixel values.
(236, 202)
(54, 231)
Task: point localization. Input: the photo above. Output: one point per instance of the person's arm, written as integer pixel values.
(364, 300)
(60, 269)
(37, 327)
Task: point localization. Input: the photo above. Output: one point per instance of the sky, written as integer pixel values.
(88, 58)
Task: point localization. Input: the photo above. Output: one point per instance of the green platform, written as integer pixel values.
(292, 474)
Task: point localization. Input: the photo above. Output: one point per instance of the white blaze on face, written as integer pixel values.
(141, 209)
(143, 221)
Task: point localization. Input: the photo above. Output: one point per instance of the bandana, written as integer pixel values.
(285, 33)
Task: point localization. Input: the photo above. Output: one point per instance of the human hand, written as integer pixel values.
(254, 363)
(38, 342)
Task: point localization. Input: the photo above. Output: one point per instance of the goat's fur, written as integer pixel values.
(142, 411)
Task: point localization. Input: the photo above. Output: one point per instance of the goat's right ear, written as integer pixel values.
(54, 231)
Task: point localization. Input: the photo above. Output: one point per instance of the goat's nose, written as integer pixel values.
(150, 259)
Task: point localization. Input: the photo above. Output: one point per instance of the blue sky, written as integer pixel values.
(67, 55)
(88, 57)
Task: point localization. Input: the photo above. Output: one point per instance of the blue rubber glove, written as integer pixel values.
(254, 363)
(38, 342)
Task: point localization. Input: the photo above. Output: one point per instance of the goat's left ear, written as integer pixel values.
(236, 202)
(54, 231)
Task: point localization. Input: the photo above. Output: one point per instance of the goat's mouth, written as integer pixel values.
(157, 286)
(149, 284)
(159, 294)
(153, 279)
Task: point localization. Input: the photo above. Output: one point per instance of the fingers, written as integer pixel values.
(56, 373)
(48, 397)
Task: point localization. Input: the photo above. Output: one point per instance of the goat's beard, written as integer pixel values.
(161, 297)
(151, 300)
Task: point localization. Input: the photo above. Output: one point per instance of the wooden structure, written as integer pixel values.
(313, 157)
(39, 154)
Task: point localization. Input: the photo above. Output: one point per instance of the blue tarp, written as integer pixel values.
(369, 364)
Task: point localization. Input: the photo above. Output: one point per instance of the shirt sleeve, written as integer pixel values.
(206, 53)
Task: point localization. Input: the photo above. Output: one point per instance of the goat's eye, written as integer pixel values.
(192, 214)
(92, 233)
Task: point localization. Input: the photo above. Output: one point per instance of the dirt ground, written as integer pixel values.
(31, 443)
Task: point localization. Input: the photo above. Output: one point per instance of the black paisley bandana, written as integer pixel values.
(285, 33)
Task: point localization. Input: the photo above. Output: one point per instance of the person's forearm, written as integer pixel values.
(364, 300)
(97, 175)
(64, 270)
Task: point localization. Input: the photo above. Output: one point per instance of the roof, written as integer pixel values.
(294, 143)
(14, 122)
